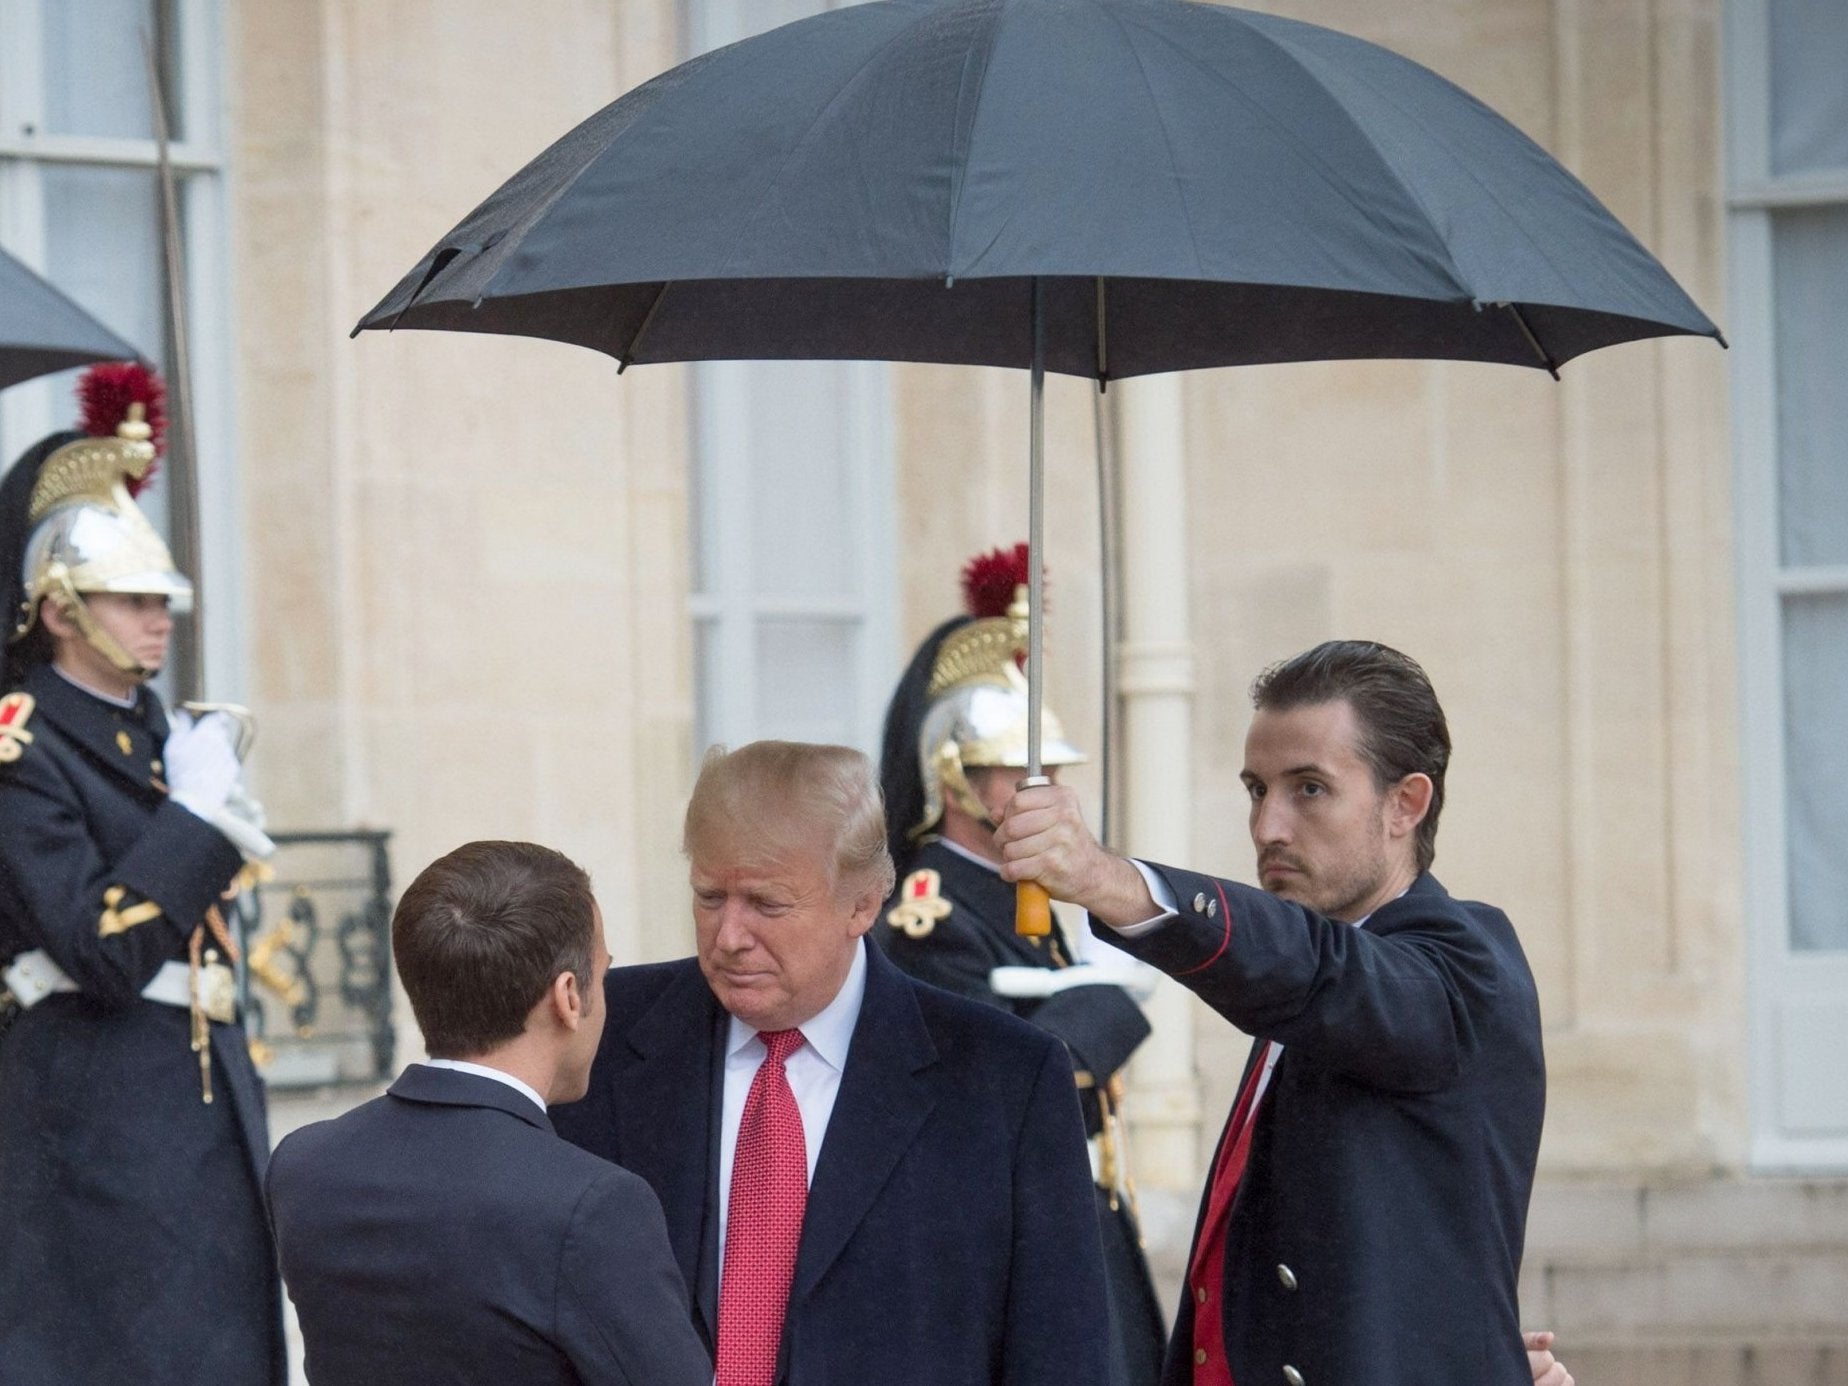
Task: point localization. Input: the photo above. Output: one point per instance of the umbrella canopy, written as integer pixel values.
(1105, 188)
(1192, 185)
(42, 330)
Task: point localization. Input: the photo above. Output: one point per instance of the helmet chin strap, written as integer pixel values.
(956, 786)
(70, 601)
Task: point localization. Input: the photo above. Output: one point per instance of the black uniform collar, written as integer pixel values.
(127, 740)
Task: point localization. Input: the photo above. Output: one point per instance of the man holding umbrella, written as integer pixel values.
(955, 745)
(1364, 1216)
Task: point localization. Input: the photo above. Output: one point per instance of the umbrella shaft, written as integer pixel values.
(1036, 520)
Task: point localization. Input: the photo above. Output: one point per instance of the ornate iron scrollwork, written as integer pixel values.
(331, 984)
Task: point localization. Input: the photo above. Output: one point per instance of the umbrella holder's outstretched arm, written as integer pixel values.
(1032, 906)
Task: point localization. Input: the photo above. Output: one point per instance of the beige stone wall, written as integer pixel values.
(468, 554)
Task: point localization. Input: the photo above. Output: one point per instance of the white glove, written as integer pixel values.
(243, 821)
(201, 763)
(1034, 982)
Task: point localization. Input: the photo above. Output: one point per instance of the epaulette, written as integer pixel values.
(15, 712)
(921, 905)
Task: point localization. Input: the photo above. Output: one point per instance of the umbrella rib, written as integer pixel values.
(627, 358)
(1463, 165)
(1161, 119)
(1546, 357)
(834, 97)
(1308, 151)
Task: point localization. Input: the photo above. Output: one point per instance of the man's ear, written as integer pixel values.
(865, 910)
(56, 619)
(567, 1001)
(1408, 803)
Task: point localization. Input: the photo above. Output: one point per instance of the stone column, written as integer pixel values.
(1156, 672)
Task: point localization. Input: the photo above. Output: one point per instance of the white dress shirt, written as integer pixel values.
(483, 1071)
(814, 1073)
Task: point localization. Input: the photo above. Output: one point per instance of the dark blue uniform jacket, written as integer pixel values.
(132, 1240)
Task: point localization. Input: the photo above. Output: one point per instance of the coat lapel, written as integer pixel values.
(885, 1097)
(666, 1111)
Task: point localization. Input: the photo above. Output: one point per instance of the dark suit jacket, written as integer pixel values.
(949, 1236)
(443, 1234)
(1394, 1154)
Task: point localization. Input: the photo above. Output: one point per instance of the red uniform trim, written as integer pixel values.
(1224, 939)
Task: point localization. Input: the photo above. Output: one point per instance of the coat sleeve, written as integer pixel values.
(1393, 1006)
(1056, 1330)
(108, 924)
(621, 1312)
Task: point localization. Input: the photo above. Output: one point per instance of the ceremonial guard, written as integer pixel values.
(133, 1246)
(955, 745)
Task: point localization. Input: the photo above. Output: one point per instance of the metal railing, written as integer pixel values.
(317, 965)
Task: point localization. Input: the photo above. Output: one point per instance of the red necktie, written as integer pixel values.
(769, 1190)
(1207, 1272)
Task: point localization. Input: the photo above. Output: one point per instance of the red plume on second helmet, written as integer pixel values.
(106, 391)
(989, 581)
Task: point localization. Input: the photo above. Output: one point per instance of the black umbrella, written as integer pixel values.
(1104, 188)
(42, 330)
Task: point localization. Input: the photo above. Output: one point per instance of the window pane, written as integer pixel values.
(1810, 253)
(1809, 85)
(96, 68)
(801, 479)
(1816, 768)
(709, 721)
(806, 681)
(103, 250)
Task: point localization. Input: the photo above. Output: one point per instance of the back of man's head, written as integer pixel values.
(1401, 725)
(480, 936)
(773, 800)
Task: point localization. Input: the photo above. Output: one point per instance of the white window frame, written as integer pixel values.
(31, 410)
(1764, 582)
(731, 610)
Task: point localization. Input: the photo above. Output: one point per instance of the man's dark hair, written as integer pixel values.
(1402, 727)
(481, 934)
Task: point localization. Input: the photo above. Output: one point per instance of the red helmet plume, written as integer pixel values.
(989, 580)
(105, 392)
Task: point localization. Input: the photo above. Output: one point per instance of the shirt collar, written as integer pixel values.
(967, 855)
(828, 1033)
(483, 1071)
(126, 704)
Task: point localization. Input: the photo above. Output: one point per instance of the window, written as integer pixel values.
(794, 602)
(79, 203)
(1787, 86)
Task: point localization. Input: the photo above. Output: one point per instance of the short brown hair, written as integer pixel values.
(771, 798)
(1402, 727)
(481, 934)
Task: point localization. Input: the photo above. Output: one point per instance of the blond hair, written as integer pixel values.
(770, 800)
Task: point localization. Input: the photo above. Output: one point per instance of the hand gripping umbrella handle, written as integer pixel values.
(1032, 910)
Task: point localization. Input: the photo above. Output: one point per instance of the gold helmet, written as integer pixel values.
(976, 697)
(85, 534)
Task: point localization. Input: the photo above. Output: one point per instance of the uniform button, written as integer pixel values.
(1200, 903)
(1212, 908)
(1199, 1356)
(1291, 1375)
(1199, 1296)
(1287, 1277)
